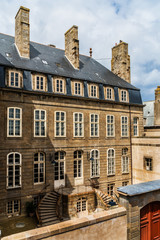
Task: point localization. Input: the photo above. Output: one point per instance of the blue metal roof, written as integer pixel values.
(140, 188)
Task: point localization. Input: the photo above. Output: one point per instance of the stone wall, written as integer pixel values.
(108, 225)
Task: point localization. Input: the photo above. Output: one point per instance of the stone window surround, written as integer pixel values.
(11, 210)
(148, 163)
(121, 95)
(95, 163)
(112, 162)
(40, 121)
(34, 82)
(111, 91)
(19, 78)
(54, 84)
(124, 132)
(125, 161)
(14, 119)
(60, 124)
(94, 123)
(110, 124)
(39, 162)
(94, 87)
(78, 122)
(136, 126)
(14, 164)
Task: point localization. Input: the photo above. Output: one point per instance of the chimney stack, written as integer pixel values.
(120, 63)
(90, 52)
(72, 46)
(22, 32)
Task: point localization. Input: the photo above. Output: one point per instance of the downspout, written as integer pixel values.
(131, 144)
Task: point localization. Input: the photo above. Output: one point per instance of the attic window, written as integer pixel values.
(44, 62)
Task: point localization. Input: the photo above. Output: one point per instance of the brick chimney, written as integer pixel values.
(120, 63)
(22, 32)
(72, 46)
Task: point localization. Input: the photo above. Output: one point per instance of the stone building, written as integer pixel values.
(66, 125)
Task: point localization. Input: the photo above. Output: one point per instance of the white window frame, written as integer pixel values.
(93, 125)
(135, 127)
(95, 163)
(14, 119)
(41, 169)
(125, 160)
(14, 170)
(40, 123)
(78, 123)
(14, 81)
(124, 95)
(93, 91)
(109, 126)
(76, 91)
(13, 212)
(111, 162)
(124, 126)
(78, 167)
(61, 177)
(82, 205)
(111, 95)
(40, 79)
(61, 86)
(60, 124)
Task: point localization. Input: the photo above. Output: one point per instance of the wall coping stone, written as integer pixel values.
(70, 225)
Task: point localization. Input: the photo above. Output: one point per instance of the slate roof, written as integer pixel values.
(57, 64)
(140, 188)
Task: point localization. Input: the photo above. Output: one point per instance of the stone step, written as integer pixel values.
(48, 214)
(50, 223)
(50, 219)
(47, 218)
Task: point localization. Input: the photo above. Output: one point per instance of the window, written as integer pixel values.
(110, 126)
(77, 164)
(124, 126)
(81, 205)
(39, 167)
(78, 88)
(59, 166)
(60, 124)
(109, 94)
(40, 83)
(135, 126)
(123, 95)
(78, 124)
(110, 189)
(14, 122)
(148, 164)
(125, 160)
(93, 91)
(14, 79)
(39, 123)
(59, 88)
(13, 207)
(94, 125)
(111, 162)
(13, 170)
(94, 161)
(124, 183)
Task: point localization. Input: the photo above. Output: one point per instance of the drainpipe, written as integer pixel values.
(131, 144)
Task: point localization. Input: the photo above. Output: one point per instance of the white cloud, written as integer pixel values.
(101, 24)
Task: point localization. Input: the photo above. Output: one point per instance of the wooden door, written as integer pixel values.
(150, 221)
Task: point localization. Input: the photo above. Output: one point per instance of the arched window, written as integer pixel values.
(94, 163)
(125, 160)
(39, 167)
(13, 170)
(111, 162)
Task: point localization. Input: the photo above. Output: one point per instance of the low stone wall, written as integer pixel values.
(111, 224)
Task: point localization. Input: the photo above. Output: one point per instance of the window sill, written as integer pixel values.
(125, 173)
(60, 138)
(12, 188)
(109, 137)
(95, 177)
(94, 137)
(111, 175)
(78, 138)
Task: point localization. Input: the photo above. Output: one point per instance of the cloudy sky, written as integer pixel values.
(102, 23)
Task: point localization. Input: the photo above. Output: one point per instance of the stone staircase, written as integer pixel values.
(47, 211)
(104, 197)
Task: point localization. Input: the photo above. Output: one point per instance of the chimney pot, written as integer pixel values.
(90, 51)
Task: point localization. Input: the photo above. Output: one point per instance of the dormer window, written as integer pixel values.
(77, 88)
(93, 90)
(124, 95)
(109, 93)
(15, 78)
(39, 82)
(59, 88)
